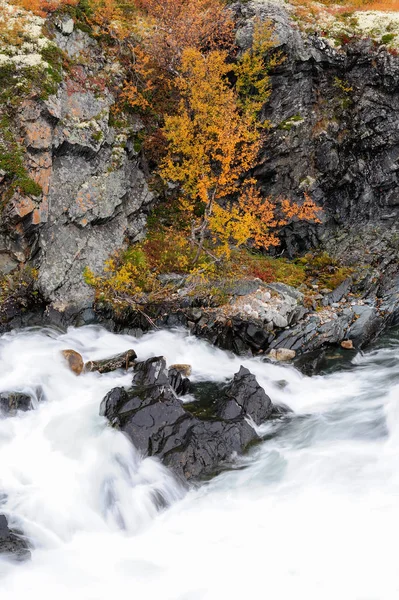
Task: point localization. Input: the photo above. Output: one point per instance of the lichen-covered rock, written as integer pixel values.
(94, 193)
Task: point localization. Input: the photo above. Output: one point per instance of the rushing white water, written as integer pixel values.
(313, 512)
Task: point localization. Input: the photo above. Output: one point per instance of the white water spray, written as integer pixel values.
(312, 512)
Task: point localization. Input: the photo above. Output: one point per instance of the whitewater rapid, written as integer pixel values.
(311, 513)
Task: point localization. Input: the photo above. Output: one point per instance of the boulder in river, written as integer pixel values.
(106, 365)
(75, 361)
(245, 397)
(194, 445)
(13, 545)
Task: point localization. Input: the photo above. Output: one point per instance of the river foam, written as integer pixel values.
(311, 513)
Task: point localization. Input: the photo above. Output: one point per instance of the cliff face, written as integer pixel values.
(334, 133)
(94, 193)
(335, 128)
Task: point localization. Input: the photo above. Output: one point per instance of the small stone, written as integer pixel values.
(75, 361)
(184, 369)
(279, 321)
(347, 344)
(282, 354)
(335, 305)
(315, 286)
(65, 25)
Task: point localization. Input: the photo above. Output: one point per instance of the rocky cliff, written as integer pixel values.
(94, 195)
(334, 133)
(334, 128)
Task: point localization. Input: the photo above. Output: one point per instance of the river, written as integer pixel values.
(311, 513)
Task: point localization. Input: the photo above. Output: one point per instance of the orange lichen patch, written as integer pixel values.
(84, 202)
(39, 168)
(40, 214)
(22, 206)
(38, 135)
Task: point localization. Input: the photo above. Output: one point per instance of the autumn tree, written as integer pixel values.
(166, 29)
(180, 24)
(213, 141)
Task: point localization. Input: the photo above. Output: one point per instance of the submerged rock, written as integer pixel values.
(159, 424)
(10, 402)
(13, 545)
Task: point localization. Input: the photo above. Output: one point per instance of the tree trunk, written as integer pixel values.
(120, 361)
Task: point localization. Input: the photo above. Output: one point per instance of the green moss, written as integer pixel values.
(138, 141)
(289, 123)
(268, 269)
(11, 161)
(324, 269)
(97, 136)
(388, 38)
(56, 60)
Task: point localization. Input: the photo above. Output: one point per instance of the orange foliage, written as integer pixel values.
(256, 219)
(166, 28)
(386, 5)
(180, 24)
(43, 7)
(212, 144)
(335, 7)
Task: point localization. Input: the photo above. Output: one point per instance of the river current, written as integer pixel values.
(310, 513)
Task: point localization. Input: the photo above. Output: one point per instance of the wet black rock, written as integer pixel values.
(244, 396)
(367, 326)
(151, 372)
(193, 443)
(339, 292)
(179, 383)
(13, 545)
(10, 402)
